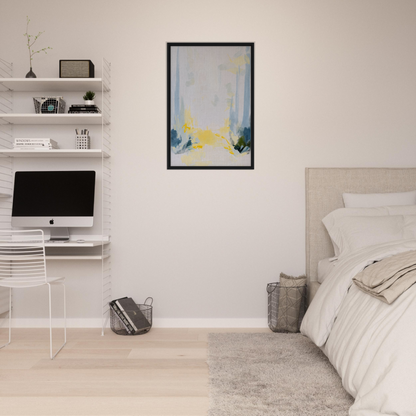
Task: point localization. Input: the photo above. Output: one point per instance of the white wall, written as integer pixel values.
(335, 85)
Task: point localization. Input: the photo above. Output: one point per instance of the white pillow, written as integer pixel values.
(332, 219)
(352, 233)
(379, 200)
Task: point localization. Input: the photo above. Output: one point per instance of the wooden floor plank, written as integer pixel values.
(104, 406)
(17, 363)
(169, 353)
(131, 343)
(145, 388)
(129, 364)
(9, 353)
(152, 375)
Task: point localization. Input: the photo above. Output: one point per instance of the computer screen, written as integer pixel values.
(53, 199)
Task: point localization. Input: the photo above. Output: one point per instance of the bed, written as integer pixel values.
(371, 344)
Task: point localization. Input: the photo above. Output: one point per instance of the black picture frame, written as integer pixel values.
(242, 145)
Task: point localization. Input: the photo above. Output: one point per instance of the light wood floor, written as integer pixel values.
(162, 373)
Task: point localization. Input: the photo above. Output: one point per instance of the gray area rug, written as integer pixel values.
(272, 374)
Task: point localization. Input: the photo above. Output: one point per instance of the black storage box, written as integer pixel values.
(74, 68)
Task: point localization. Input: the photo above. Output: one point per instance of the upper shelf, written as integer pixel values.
(53, 84)
(52, 118)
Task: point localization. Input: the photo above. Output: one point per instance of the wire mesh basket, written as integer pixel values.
(49, 105)
(286, 307)
(117, 326)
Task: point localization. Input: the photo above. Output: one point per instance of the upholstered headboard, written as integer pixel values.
(324, 189)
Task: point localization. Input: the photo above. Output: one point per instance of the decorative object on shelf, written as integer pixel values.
(30, 74)
(49, 105)
(82, 141)
(30, 43)
(34, 144)
(89, 98)
(72, 68)
(210, 105)
(83, 109)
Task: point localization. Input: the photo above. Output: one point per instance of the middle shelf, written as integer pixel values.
(38, 119)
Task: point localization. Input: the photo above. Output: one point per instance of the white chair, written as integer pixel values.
(23, 265)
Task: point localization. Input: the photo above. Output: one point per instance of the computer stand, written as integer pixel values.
(59, 234)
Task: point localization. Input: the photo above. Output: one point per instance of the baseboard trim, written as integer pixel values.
(157, 323)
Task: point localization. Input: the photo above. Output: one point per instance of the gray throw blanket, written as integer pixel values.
(389, 278)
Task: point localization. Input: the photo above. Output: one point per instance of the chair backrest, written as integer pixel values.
(22, 258)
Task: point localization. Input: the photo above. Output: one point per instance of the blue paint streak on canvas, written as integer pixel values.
(177, 85)
(246, 133)
(174, 139)
(244, 141)
(187, 146)
(233, 120)
(182, 113)
(247, 97)
(237, 101)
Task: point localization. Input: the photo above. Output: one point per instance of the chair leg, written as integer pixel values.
(50, 321)
(10, 319)
(63, 285)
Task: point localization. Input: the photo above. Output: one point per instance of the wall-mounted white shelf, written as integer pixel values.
(38, 119)
(60, 244)
(76, 244)
(52, 84)
(86, 257)
(82, 153)
(23, 90)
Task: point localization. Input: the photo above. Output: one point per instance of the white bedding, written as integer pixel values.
(371, 344)
(325, 267)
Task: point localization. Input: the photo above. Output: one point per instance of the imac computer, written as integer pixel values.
(55, 200)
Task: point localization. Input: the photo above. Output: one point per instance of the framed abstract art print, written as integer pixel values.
(210, 103)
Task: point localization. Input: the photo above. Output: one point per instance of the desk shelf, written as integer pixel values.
(80, 257)
(75, 244)
(80, 153)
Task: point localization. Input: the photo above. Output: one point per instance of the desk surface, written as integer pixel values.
(74, 243)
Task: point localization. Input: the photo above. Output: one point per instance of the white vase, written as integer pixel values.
(89, 102)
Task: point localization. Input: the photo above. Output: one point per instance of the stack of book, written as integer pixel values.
(130, 315)
(83, 109)
(35, 144)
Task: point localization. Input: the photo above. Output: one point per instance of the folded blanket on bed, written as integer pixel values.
(389, 278)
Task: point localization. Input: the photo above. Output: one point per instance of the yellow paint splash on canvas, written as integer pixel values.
(196, 155)
(195, 158)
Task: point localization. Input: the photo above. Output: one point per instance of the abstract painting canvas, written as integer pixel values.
(210, 106)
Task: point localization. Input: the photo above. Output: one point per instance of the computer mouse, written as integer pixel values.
(80, 241)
